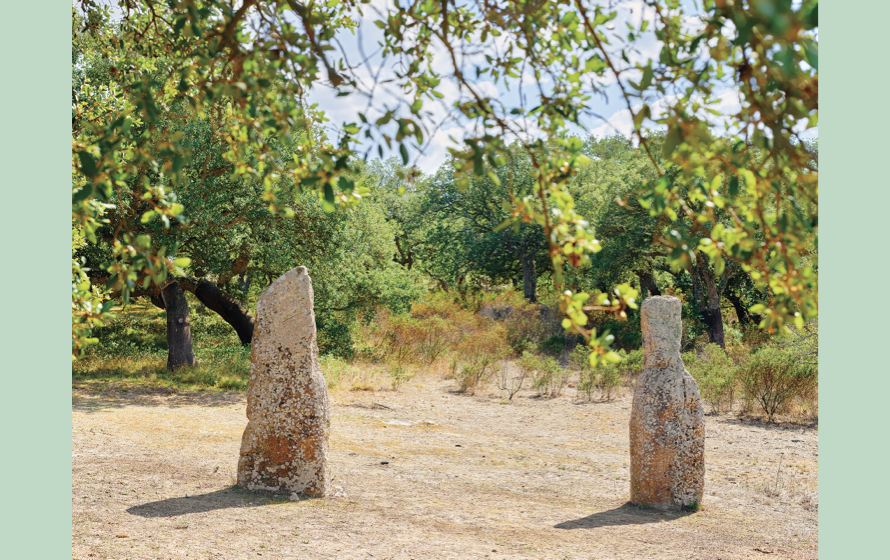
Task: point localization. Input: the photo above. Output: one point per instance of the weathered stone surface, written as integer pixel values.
(285, 445)
(667, 429)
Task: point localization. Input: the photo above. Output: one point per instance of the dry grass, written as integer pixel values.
(465, 476)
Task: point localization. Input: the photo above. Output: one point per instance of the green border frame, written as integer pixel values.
(36, 155)
(854, 383)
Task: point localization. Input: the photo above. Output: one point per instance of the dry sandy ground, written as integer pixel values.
(465, 477)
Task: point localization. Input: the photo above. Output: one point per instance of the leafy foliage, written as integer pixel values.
(773, 377)
(715, 373)
(239, 72)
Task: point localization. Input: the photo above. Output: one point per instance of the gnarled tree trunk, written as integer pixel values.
(179, 333)
(647, 284)
(745, 317)
(704, 284)
(229, 308)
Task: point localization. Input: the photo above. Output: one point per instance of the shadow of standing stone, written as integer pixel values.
(667, 430)
(284, 448)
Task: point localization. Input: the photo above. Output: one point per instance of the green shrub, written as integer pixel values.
(548, 377)
(333, 336)
(715, 373)
(525, 329)
(579, 360)
(472, 374)
(609, 379)
(334, 369)
(608, 376)
(627, 332)
(773, 376)
(398, 376)
(553, 344)
(480, 355)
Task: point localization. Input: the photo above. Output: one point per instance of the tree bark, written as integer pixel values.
(529, 278)
(229, 308)
(647, 284)
(711, 312)
(179, 333)
(745, 317)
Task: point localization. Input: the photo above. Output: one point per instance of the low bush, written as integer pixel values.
(609, 379)
(774, 376)
(334, 369)
(715, 373)
(579, 360)
(631, 365)
(528, 329)
(512, 384)
(479, 356)
(548, 377)
(398, 376)
(608, 376)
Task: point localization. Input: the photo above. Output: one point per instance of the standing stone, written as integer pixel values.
(285, 445)
(667, 429)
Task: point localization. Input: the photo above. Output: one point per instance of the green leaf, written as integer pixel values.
(504, 225)
(647, 77)
(182, 262)
(612, 357)
(719, 265)
(671, 142)
(404, 153)
(82, 194)
(811, 54)
(328, 194)
(733, 186)
(87, 164)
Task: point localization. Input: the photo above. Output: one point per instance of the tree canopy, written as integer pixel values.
(184, 89)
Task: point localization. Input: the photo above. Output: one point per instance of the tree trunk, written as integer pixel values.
(229, 308)
(711, 312)
(745, 317)
(647, 284)
(529, 278)
(179, 333)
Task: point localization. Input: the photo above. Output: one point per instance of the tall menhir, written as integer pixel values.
(667, 429)
(285, 445)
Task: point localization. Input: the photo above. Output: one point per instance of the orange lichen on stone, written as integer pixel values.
(667, 430)
(285, 445)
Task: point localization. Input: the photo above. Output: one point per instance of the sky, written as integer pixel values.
(612, 118)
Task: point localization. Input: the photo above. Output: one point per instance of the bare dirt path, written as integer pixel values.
(465, 477)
